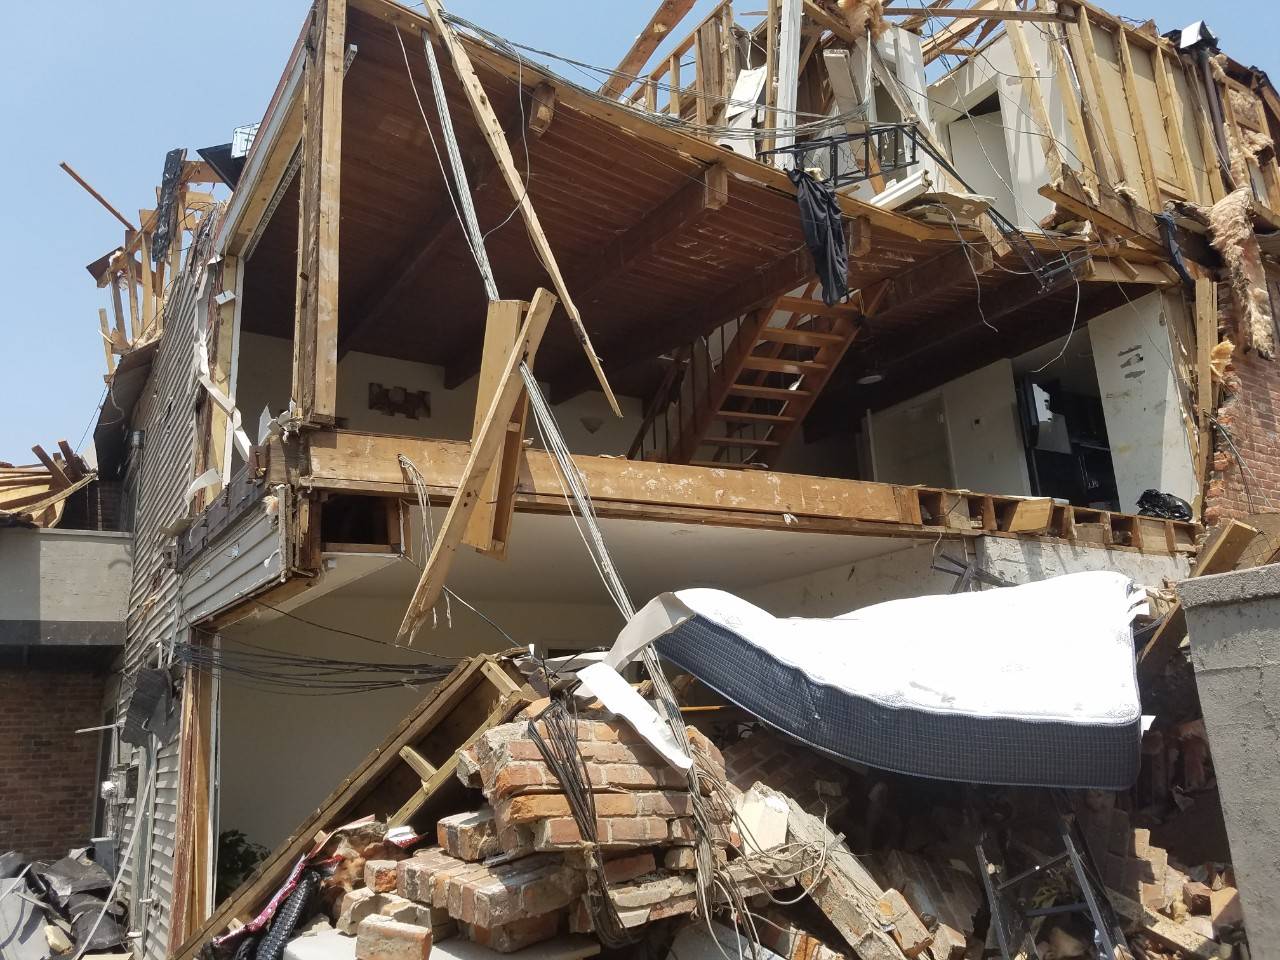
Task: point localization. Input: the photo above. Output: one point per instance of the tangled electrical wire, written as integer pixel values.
(274, 671)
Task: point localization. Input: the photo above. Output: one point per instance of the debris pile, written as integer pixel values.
(34, 495)
(60, 909)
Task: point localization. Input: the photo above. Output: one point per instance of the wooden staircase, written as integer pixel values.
(740, 409)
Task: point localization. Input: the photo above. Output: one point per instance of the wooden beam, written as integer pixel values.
(489, 525)
(487, 441)
(492, 130)
(829, 21)
(1108, 210)
(659, 27)
(1097, 103)
(977, 13)
(949, 271)
(96, 195)
(106, 341)
(1206, 330)
(60, 480)
(328, 214)
(1169, 110)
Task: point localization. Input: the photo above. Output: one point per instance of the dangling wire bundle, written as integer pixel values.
(559, 749)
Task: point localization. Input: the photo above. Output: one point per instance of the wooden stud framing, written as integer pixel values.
(486, 442)
(1075, 118)
(1097, 102)
(660, 25)
(1031, 83)
(1169, 103)
(1150, 181)
(492, 130)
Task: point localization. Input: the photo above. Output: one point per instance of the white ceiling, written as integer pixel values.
(547, 560)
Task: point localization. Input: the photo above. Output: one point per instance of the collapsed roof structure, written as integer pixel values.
(828, 305)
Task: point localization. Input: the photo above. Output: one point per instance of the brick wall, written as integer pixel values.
(1249, 411)
(48, 773)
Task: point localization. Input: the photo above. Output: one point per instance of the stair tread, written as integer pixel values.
(738, 442)
(800, 338)
(748, 416)
(767, 393)
(777, 365)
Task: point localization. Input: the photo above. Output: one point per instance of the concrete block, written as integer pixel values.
(762, 819)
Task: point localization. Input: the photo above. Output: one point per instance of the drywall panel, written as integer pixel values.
(982, 426)
(1135, 361)
(1186, 109)
(964, 434)
(978, 151)
(909, 442)
(1152, 111)
(1023, 136)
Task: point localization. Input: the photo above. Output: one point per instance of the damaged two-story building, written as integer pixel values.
(842, 303)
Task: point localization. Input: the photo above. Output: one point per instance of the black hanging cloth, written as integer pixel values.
(823, 226)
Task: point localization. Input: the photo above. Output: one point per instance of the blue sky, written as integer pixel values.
(110, 87)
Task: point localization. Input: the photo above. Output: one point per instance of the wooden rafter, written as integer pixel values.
(659, 27)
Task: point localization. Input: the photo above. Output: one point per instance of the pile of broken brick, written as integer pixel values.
(784, 823)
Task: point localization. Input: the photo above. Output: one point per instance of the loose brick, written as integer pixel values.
(469, 836)
(530, 808)
(623, 869)
(380, 875)
(1197, 897)
(414, 876)
(680, 858)
(510, 937)
(406, 911)
(356, 906)
(380, 938)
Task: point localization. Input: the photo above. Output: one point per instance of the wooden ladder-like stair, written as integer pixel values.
(768, 380)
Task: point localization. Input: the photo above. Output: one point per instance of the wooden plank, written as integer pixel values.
(59, 477)
(492, 130)
(418, 762)
(1130, 82)
(1223, 548)
(329, 212)
(508, 706)
(1030, 81)
(977, 13)
(1031, 516)
(106, 341)
(96, 195)
(135, 316)
(502, 328)
(1071, 108)
(659, 27)
(1097, 102)
(71, 462)
(487, 441)
(1206, 328)
(1173, 125)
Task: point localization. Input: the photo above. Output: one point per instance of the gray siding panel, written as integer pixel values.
(159, 475)
(248, 557)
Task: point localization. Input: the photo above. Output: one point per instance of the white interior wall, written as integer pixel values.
(977, 445)
(987, 451)
(282, 754)
(978, 152)
(995, 68)
(1134, 357)
(266, 365)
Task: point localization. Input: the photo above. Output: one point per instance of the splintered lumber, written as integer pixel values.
(96, 195)
(489, 526)
(60, 478)
(844, 890)
(659, 27)
(1220, 554)
(485, 444)
(491, 127)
